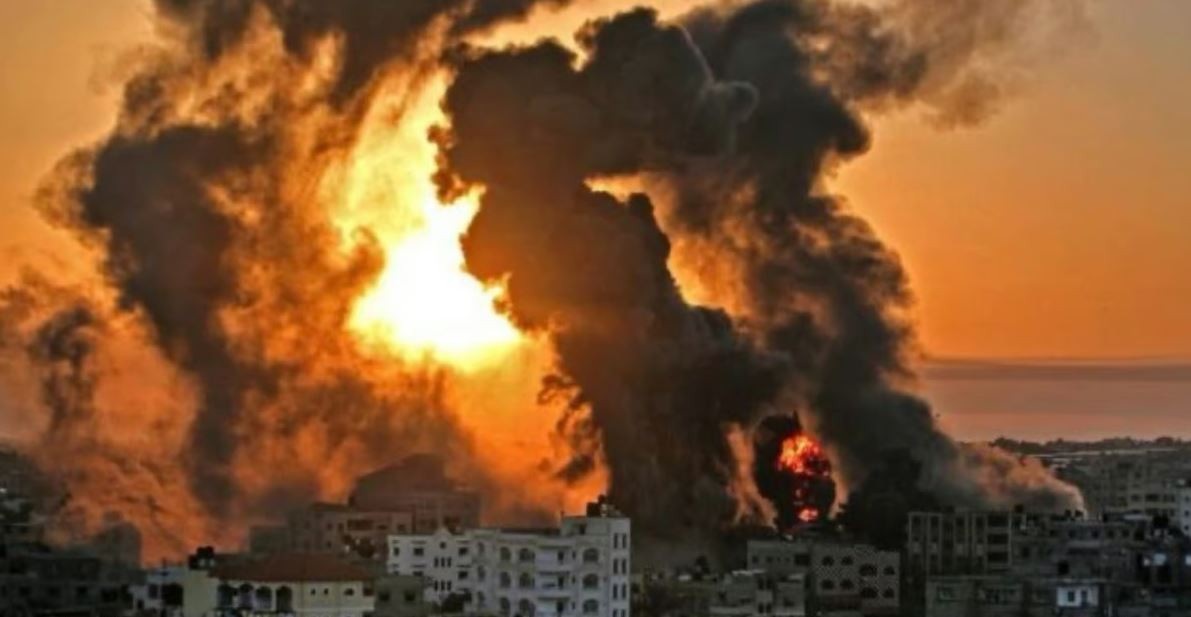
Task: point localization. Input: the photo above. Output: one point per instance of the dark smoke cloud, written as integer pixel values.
(662, 379)
(375, 33)
(737, 125)
(800, 256)
(201, 205)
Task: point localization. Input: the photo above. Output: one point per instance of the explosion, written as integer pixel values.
(802, 458)
(425, 301)
(335, 233)
(801, 455)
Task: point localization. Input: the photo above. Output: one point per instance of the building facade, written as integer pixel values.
(443, 558)
(299, 584)
(840, 577)
(580, 568)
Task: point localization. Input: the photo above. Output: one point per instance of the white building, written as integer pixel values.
(579, 569)
(444, 558)
(1183, 513)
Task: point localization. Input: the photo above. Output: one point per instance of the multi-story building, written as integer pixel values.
(337, 528)
(1130, 481)
(412, 497)
(840, 576)
(40, 580)
(1011, 596)
(1183, 499)
(579, 568)
(961, 542)
(420, 487)
(444, 558)
(1027, 544)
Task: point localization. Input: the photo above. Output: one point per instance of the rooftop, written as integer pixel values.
(294, 567)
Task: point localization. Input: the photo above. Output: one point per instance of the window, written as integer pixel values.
(591, 607)
(349, 592)
(525, 581)
(591, 581)
(591, 555)
(505, 580)
(505, 554)
(525, 555)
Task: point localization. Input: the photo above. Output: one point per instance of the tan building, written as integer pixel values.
(419, 486)
(336, 528)
(412, 497)
(298, 584)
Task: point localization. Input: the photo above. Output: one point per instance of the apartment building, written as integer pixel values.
(1009, 596)
(338, 528)
(443, 558)
(414, 496)
(579, 568)
(1027, 544)
(419, 486)
(840, 577)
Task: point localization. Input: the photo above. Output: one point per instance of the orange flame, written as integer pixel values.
(424, 303)
(798, 453)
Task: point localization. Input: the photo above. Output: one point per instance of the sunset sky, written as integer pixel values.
(1059, 230)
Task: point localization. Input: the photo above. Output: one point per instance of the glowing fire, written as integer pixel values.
(799, 455)
(424, 303)
(804, 461)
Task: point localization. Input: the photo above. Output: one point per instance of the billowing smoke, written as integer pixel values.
(217, 207)
(734, 126)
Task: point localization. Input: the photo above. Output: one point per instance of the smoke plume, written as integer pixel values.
(730, 288)
(733, 125)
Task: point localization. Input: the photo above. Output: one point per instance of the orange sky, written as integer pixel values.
(1059, 228)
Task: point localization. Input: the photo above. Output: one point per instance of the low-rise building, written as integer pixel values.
(743, 593)
(402, 596)
(299, 584)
